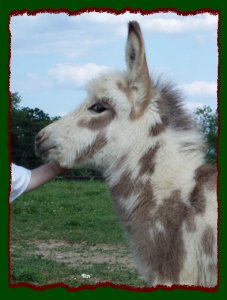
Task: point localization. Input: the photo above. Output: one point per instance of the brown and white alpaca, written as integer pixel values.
(151, 154)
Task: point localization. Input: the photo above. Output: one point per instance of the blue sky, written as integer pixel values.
(54, 55)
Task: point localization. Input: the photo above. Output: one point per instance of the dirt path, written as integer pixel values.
(82, 254)
(100, 263)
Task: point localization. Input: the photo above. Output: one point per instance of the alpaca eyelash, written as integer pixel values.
(98, 107)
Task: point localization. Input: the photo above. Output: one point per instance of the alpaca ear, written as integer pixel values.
(137, 68)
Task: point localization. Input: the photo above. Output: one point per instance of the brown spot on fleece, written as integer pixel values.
(91, 150)
(208, 240)
(98, 122)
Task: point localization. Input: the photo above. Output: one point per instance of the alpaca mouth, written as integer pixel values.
(46, 151)
(44, 144)
(43, 149)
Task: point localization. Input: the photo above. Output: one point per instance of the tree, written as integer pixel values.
(25, 123)
(208, 122)
(15, 101)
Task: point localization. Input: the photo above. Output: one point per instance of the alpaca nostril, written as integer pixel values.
(44, 143)
(40, 137)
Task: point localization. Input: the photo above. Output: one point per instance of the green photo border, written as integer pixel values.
(9, 292)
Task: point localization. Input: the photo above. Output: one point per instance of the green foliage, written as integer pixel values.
(208, 122)
(15, 101)
(25, 123)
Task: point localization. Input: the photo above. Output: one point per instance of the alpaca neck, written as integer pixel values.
(165, 166)
(129, 180)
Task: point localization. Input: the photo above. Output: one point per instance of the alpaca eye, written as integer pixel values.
(98, 108)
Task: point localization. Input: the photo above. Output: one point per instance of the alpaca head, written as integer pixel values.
(113, 120)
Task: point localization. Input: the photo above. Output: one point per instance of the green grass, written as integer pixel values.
(72, 213)
(37, 271)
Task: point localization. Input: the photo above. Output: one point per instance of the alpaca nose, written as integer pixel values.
(44, 142)
(39, 140)
(41, 137)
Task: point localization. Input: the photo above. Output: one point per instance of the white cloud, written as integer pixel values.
(200, 39)
(60, 32)
(76, 75)
(176, 24)
(54, 34)
(191, 106)
(62, 113)
(155, 22)
(31, 82)
(208, 88)
(97, 37)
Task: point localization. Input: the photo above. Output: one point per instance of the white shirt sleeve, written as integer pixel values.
(20, 179)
